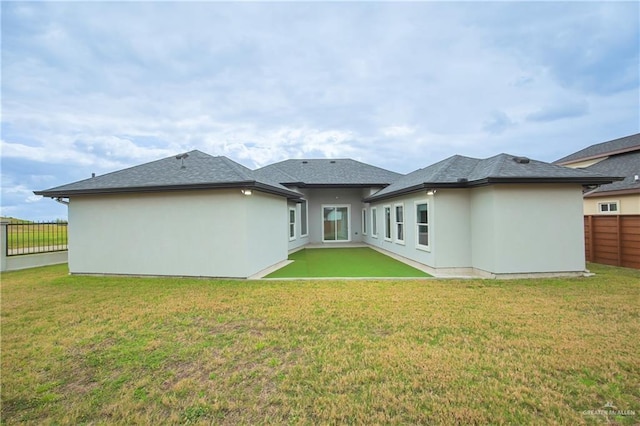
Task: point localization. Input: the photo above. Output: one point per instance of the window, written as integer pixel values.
(292, 224)
(374, 222)
(608, 207)
(304, 218)
(364, 221)
(422, 225)
(399, 221)
(387, 223)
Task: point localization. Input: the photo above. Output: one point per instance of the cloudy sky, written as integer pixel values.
(99, 86)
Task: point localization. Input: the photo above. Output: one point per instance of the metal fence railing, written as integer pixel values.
(32, 237)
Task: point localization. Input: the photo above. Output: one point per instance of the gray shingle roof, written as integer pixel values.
(463, 172)
(625, 144)
(201, 171)
(327, 172)
(627, 165)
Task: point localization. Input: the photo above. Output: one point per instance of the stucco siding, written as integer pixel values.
(267, 228)
(537, 228)
(451, 228)
(196, 233)
(483, 228)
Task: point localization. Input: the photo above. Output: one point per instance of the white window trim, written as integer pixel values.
(609, 203)
(292, 237)
(306, 213)
(396, 223)
(374, 219)
(364, 223)
(415, 210)
(388, 227)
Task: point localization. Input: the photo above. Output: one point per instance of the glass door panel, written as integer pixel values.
(335, 223)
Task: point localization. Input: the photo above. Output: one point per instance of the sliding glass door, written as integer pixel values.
(335, 223)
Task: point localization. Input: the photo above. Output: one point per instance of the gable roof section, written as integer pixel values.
(465, 172)
(327, 173)
(200, 171)
(627, 165)
(613, 147)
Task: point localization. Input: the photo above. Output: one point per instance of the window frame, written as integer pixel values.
(292, 224)
(364, 221)
(608, 204)
(419, 224)
(388, 232)
(304, 218)
(399, 225)
(374, 222)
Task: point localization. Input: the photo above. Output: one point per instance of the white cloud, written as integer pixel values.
(100, 86)
(397, 131)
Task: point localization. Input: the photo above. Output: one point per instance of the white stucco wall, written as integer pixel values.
(527, 229)
(452, 228)
(499, 229)
(219, 233)
(482, 228)
(266, 237)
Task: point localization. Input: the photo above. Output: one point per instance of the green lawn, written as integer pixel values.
(344, 262)
(120, 350)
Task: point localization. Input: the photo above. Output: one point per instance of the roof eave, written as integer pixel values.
(258, 186)
(337, 185)
(490, 181)
(597, 193)
(596, 156)
(595, 180)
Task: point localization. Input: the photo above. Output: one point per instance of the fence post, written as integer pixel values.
(3, 245)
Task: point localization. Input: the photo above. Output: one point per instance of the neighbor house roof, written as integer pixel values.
(464, 172)
(327, 173)
(618, 157)
(627, 165)
(613, 147)
(196, 171)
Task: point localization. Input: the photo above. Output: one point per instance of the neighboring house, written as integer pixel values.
(612, 211)
(198, 215)
(619, 157)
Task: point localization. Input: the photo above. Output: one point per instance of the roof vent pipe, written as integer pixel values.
(181, 157)
(521, 160)
(636, 178)
(93, 175)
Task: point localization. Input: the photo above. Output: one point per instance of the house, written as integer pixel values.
(200, 215)
(619, 157)
(612, 211)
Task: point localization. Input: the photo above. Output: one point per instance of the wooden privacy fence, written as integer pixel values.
(613, 240)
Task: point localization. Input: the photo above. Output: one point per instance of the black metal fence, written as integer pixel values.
(36, 237)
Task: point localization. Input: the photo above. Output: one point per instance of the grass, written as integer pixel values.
(344, 262)
(103, 350)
